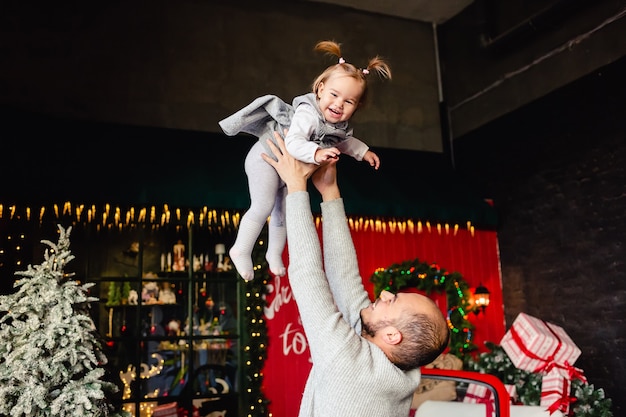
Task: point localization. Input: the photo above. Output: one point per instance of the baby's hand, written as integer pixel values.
(371, 158)
(326, 154)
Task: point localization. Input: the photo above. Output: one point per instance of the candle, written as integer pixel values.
(110, 334)
(162, 262)
(220, 250)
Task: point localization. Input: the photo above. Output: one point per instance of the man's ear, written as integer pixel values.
(391, 335)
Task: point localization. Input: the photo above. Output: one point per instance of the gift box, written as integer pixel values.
(535, 345)
(555, 391)
(478, 394)
(512, 392)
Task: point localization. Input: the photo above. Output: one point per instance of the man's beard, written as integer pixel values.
(368, 328)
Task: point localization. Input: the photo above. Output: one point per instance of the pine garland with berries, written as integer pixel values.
(429, 277)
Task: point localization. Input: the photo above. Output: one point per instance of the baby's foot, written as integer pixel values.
(276, 265)
(243, 263)
(278, 271)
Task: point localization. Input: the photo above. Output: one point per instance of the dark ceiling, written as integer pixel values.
(437, 11)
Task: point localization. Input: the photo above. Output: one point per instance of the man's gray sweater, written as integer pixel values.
(350, 376)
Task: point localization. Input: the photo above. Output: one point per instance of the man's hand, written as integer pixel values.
(295, 173)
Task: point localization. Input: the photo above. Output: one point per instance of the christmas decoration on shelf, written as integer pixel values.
(51, 359)
(587, 400)
(118, 293)
(428, 278)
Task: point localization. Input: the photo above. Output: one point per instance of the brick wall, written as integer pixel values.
(556, 173)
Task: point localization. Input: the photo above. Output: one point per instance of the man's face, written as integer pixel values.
(389, 308)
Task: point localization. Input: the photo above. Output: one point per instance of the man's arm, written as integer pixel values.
(326, 330)
(342, 269)
(340, 259)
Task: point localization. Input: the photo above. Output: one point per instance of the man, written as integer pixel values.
(366, 356)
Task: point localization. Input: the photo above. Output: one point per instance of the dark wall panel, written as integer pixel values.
(556, 171)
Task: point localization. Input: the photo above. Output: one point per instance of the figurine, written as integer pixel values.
(133, 297)
(166, 295)
(179, 256)
(150, 293)
(224, 266)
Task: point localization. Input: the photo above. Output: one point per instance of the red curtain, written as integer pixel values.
(379, 244)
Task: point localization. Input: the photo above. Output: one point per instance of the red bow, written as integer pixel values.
(574, 373)
(547, 366)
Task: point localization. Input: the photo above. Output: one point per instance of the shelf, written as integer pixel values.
(177, 324)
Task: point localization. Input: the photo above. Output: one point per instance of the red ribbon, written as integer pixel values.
(548, 363)
(483, 400)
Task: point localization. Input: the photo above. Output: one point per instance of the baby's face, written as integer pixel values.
(339, 97)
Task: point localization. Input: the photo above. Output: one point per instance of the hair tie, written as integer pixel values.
(365, 71)
(342, 61)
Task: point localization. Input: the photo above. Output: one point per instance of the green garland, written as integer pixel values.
(428, 278)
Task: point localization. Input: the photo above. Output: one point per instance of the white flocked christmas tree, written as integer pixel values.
(51, 358)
